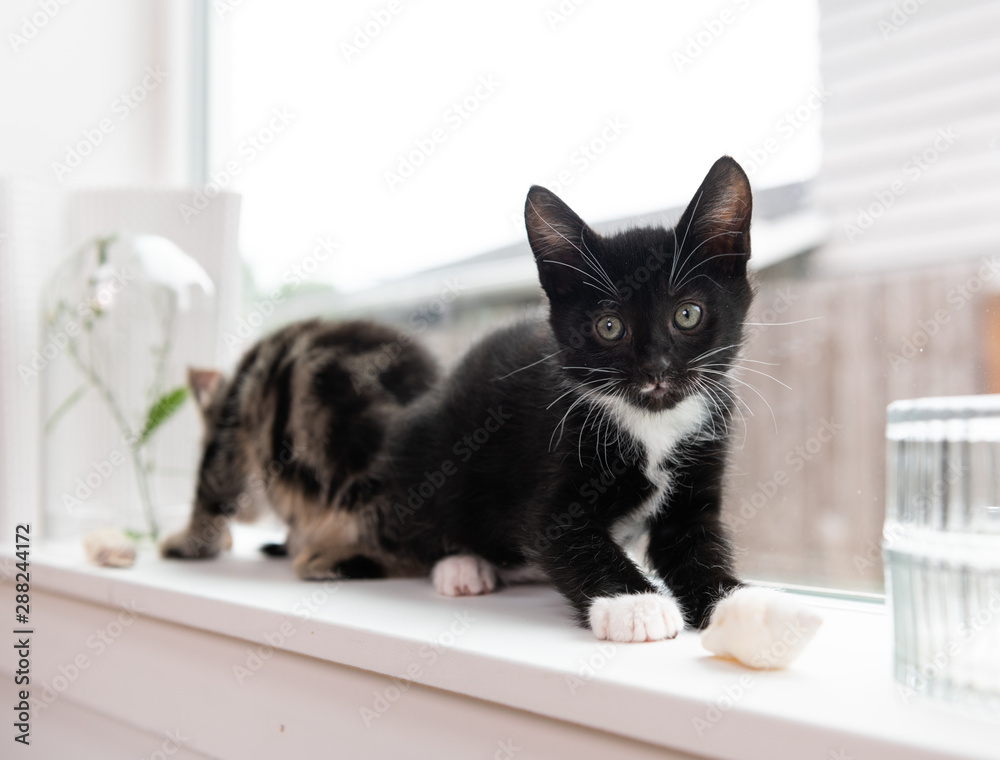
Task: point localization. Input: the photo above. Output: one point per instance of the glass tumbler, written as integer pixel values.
(941, 545)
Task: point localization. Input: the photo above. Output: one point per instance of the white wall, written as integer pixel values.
(911, 145)
(66, 76)
(64, 69)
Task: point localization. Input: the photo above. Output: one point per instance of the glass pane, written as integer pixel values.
(409, 135)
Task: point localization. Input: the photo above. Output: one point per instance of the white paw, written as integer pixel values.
(463, 575)
(635, 617)
(760, 628)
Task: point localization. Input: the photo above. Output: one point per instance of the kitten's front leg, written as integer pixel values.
(206, 535)
(219, 493)
(612, 596)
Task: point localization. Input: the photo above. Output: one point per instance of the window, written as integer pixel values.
(413, 132)
(383, 152)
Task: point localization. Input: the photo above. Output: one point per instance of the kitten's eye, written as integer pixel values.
(610, 327)
(687, 316)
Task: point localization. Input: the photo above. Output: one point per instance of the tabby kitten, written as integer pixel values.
(589, 449)
(298, 428)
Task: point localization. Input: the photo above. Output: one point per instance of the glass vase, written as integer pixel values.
(110, 379)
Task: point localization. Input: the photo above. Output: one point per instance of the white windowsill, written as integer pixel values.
(518, 648)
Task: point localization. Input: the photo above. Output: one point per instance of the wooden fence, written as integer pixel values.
(806, 490)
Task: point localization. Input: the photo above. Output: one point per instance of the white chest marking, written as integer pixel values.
(658, 434)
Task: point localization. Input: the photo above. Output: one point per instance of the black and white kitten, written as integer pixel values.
(589, 449)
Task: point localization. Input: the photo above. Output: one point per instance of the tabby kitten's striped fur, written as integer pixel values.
(298, 428)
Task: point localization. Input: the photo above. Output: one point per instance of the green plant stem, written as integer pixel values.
(131, 440)
(64, 407)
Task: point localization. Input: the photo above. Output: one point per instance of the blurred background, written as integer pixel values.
(372, 158)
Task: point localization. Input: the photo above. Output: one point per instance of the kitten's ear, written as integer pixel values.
(204, 384)
(558, 238)
(717, 221)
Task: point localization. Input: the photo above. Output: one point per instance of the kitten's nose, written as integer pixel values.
(655, 368)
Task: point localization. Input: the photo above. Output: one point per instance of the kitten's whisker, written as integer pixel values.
(551, 227)
(578, 386)
(720, 412)
(713, 351)
(689, 277)
(720, 388)
(730, 393)
(583, 428)
(595, 287)
(751, 387)
(597, 369)
(598, 284)
(618, 395)
(561, 425)
(781, 324)
(697, 276)
(613, 292)
(754, 361)
(731, 363)
(747, 369)
(528, 366)
(694, 214)
(606, 422)
(695, 249)
(591, 259)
